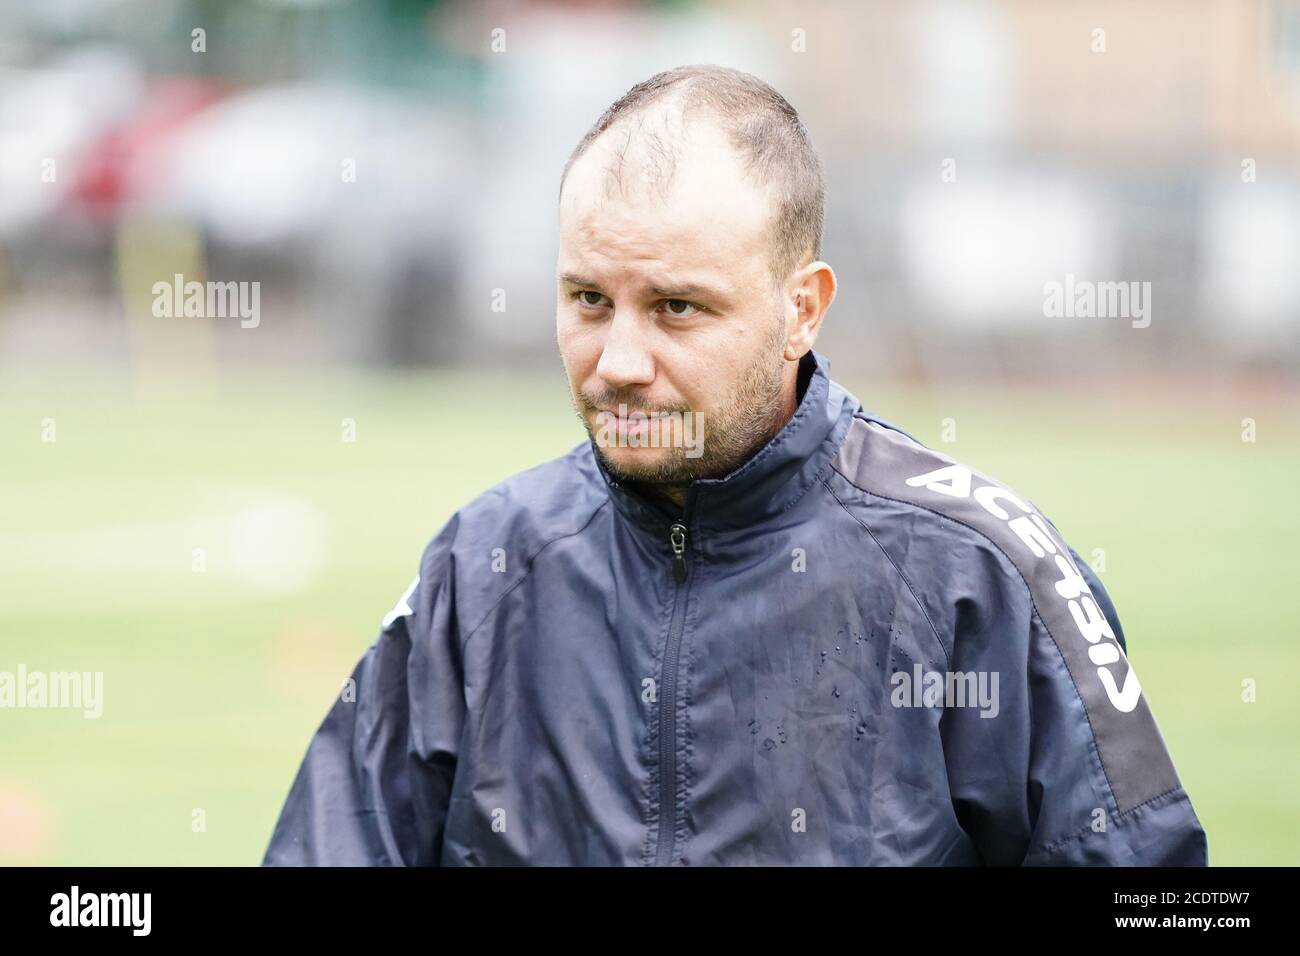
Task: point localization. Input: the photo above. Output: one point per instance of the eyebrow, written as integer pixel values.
(683, 290)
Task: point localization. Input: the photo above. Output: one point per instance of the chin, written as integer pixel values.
(638, 464)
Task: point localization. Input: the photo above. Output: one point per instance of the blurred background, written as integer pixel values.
(216, 514)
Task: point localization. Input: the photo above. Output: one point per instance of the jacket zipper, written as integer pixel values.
(668, 702)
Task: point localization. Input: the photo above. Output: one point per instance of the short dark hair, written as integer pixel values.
(764, 129)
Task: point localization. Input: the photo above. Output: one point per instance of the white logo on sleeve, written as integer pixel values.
(953, 481)
(403, 606)
(1033, 532)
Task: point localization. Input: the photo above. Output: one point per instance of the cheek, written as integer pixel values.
(580, 344)
(709, 377)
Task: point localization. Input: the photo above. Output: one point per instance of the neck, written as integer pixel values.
(676, 493)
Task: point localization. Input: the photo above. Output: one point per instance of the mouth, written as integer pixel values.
(629, 423)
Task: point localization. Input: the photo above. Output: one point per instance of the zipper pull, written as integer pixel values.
(677, 538)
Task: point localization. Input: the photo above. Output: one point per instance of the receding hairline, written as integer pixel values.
(654, 134)
(762, 127)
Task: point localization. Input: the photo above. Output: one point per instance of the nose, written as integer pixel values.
(626, 359)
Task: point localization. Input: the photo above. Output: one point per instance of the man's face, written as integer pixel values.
(666, 306)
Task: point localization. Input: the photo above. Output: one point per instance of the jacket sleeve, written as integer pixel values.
(1072, 769)
(374, 787)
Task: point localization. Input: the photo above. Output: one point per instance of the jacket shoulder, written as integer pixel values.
(489, 544)
(970, 509)
(550, 500)
(961, 509)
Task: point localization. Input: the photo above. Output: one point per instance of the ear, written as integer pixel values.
(809, 292)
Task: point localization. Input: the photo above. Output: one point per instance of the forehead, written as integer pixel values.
(663, 197)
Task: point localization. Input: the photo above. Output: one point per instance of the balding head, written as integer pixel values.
(643, 137)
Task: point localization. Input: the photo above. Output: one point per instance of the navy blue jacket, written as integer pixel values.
(851, 650)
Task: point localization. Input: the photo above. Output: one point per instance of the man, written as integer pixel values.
(805, 639)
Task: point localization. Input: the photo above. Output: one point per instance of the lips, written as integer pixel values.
(630, 423)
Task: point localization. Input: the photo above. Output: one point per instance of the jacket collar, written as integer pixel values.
(769, 482)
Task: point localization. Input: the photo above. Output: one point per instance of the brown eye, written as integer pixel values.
(680, 307)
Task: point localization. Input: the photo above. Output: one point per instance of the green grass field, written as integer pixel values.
(214, 681)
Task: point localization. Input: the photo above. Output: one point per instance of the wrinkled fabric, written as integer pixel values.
(549, 692)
